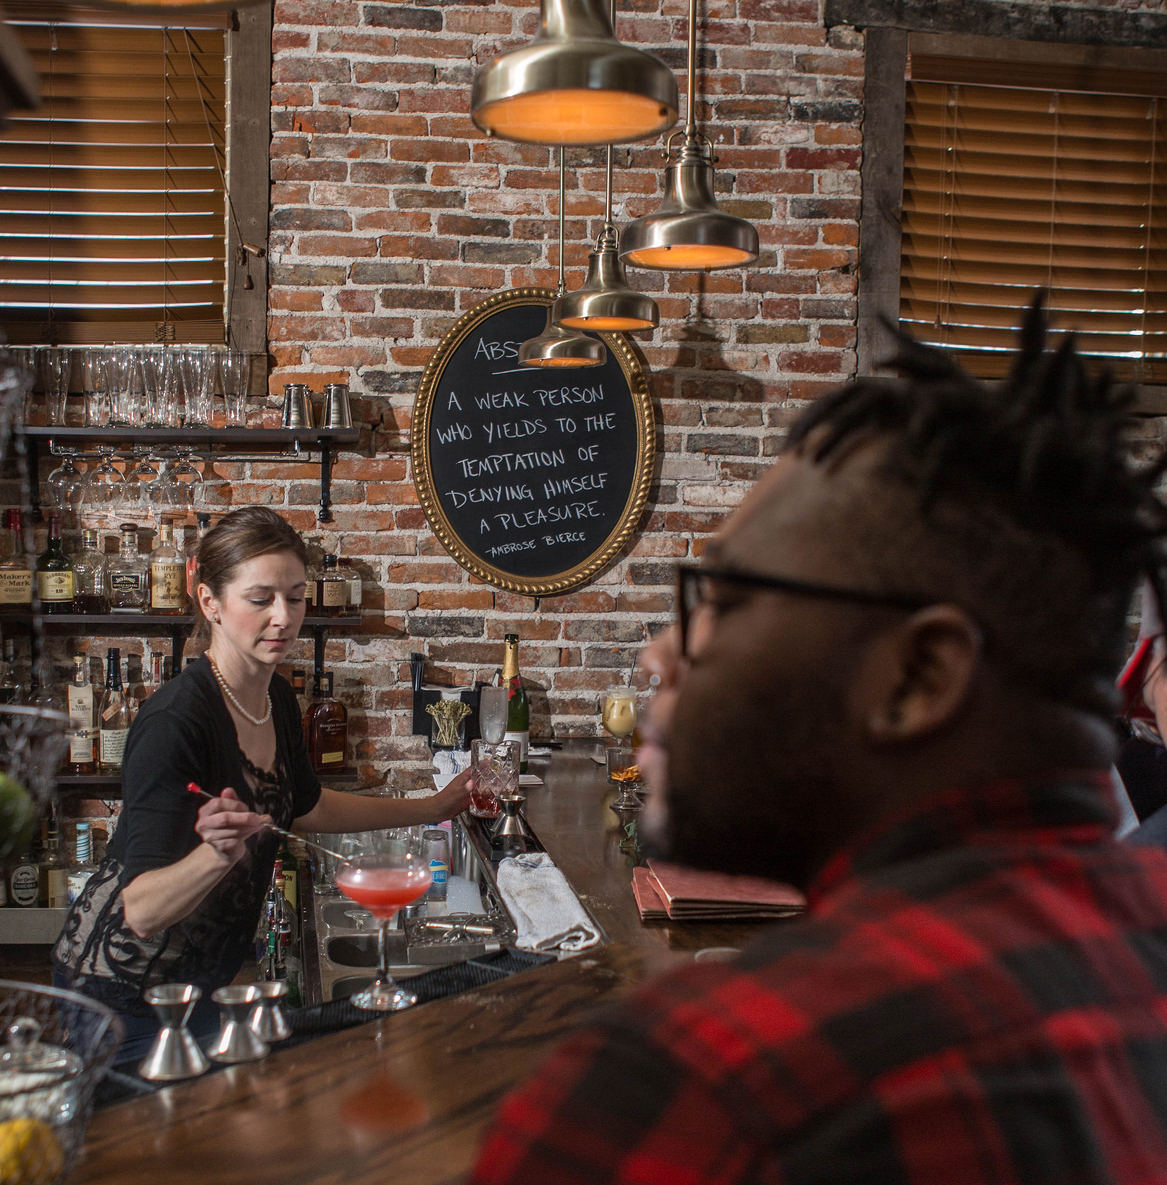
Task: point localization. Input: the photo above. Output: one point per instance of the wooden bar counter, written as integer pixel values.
(406, 1098)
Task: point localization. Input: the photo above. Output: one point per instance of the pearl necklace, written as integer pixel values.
(258, 721)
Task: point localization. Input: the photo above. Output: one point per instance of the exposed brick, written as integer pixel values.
(403, 18)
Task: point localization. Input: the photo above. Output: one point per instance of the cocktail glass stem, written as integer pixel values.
(384, 994)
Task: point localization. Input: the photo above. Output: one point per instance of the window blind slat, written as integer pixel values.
(1013, 185)
(112, 196)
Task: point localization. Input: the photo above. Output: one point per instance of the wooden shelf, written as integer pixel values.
(25, 926)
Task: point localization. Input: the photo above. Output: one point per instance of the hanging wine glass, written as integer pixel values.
(188, 481)
(65, 488)
(105, 490)
(140, 477)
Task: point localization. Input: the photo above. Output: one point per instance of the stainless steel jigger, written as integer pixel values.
(237, 1043)
(175, 1054)
(267, 1020)
(511, 822)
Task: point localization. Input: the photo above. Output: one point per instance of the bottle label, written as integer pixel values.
(55, 586)
(523, 739)
(81, 745)
(113, 745)
(127, 582)
(332, 758)
(24, 885)
(15, 586)
(439, 872)
(57, 888)
(167, 586)
(77, 881)
(333, 594)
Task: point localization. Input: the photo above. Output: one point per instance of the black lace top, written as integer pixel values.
(184, 733)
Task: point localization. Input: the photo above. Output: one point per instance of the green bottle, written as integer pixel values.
(518, 706)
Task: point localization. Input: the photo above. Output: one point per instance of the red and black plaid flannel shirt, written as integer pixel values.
(978, 995)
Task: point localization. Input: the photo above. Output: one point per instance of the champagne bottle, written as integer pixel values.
(113, 716)
(518, 706)
(54, 573)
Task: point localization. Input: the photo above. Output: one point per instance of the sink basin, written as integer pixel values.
(360, 950)
(344, 915)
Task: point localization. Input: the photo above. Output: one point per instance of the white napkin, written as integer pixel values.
(449, 763)
(546, 912)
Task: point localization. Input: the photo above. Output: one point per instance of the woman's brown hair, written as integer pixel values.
(240, 536)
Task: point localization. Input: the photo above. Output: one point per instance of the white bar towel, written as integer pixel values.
(547, 913)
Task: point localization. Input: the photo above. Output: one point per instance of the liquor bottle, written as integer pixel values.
(89, 575)
(15, 574)
(310, 589)
(300, 687)
(291, 867)
(331, 590)
(82, 867)
(128, 575)
(326, 729)
(113, 717)
(158, 674)
(356, 588)
(54, 573)
(167, 575)
(134, 683)
(518, 706)
(24, 881)
(192, 554)
(83, 739)
(10, 689)
(53, 871)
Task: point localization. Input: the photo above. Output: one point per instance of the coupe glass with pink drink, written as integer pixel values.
(383, 884)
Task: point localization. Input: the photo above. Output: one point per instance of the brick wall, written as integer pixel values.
(392, 215)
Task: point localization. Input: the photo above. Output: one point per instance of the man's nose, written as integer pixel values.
(661, 657)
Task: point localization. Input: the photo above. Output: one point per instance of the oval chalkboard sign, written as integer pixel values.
(531, 478)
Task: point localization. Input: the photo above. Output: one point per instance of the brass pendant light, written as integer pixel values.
(604, 301)
(557, 347)
(689, 231)
(574, 83)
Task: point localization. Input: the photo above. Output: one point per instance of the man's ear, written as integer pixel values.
(915, 679)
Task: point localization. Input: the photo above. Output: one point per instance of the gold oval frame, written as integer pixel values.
(578, 575)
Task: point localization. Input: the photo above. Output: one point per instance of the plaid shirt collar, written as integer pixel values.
(1064, 806)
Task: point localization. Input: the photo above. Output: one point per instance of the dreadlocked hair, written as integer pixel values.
(1024, 506)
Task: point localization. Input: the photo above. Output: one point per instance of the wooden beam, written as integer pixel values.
(1011, 19)
(882, 179)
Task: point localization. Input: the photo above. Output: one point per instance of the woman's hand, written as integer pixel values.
(455, 797)
(225, 823)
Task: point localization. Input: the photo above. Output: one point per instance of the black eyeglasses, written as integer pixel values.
(697, 586)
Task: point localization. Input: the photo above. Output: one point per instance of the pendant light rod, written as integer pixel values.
(690, 82)
(562, 283)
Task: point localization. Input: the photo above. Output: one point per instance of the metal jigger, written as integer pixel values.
(237, 1043)
(267, 1020)
(175, 1053)
(337, 411)
(297, 406)
(511, 822)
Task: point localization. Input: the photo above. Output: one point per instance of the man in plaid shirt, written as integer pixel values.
(891, 684)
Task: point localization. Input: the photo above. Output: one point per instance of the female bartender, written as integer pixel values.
(178, 896)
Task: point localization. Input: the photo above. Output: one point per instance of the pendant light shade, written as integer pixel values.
(689, 231)
(605, 301)
(557, 348)
(574, 84)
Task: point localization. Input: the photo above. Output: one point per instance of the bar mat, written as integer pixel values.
(121, 1081)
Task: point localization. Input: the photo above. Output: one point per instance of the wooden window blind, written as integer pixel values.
(112, 199)
(1026, 175)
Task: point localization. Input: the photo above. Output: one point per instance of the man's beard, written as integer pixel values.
(755, 797)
